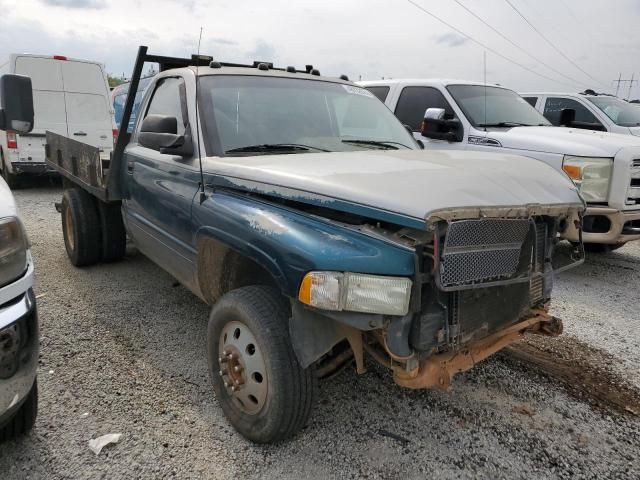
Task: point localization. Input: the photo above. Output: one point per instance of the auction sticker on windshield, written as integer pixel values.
(357, 91)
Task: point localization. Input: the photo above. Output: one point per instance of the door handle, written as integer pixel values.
(130, 167)
(80, 134)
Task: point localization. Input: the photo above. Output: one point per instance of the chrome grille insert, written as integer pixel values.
(482, 250)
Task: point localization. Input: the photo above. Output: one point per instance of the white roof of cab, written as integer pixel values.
(251, 71)
(441, 82)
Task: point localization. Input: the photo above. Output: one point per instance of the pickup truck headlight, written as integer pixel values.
(356, 292)
(591, 175)
(13, 250)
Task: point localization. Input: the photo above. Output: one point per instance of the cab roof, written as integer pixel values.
(443, 82)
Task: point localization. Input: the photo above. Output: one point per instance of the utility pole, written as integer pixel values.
(621, 80)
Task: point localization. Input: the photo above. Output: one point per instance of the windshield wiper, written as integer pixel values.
(378, 143)
(507, 124)
(276, 147)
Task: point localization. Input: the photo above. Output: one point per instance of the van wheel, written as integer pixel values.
(114, 237)
(10, 178)
(81, 227)
(24, 419)
(602, 247)
(260, 386)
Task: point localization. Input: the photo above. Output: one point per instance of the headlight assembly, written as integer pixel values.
(13, 250)
(591, 175)
(356, 292)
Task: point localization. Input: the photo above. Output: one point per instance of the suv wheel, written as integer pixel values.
(260, 386)
(602, 247)
(24, 419)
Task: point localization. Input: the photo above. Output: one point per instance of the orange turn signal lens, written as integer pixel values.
(574, 171)
(304, 295)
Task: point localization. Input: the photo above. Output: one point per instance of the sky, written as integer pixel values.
(589, 42)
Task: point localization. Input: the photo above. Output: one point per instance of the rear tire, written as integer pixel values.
(10, 178)
(602, 247)
(114, 237)
(24, 419)
(284, 391)
(81, 227)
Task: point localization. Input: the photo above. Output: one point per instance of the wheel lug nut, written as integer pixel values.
(234, 388)
(221, 373)
(222, 359)
(237, 368)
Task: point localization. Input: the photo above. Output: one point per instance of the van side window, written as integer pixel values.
(414, 101)
(381, 92)
(167, 100)
(531, 100)
(554, 106)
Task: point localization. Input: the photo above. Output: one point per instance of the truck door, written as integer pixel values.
(162, 188)
(413, 102)
(87, 103)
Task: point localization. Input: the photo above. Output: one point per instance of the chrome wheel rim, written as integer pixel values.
(242, 367)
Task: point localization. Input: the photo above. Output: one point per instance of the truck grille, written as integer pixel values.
(482, 250)
(633, 193)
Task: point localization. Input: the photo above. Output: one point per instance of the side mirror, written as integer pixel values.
(436, 127)
(160, 132)
(567, 117)
(16, 103)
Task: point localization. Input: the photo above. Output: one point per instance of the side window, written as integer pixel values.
(554, 106)
(381, 92)
(414, 101)
(166, 100)
(531, 101)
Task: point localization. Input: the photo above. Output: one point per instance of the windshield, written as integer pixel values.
(249, 115)
(504, 108)
(620, 112)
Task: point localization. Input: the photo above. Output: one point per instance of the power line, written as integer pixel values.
(495, 52)
(577, 82)
(551, 43)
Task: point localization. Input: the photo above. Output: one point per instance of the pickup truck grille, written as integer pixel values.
(477, 251)
(633, 193)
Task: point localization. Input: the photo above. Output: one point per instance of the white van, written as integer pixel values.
(70, 97)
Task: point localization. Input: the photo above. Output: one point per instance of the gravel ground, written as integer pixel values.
(123, 352)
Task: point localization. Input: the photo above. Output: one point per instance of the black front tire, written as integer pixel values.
(290, 388)
(81, 227)
(23, 420)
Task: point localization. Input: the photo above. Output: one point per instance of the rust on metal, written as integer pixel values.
(437, 371)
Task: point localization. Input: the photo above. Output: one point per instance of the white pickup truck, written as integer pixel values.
(588, 110)
(451, 114)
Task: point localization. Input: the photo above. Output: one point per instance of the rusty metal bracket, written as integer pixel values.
(437, 371)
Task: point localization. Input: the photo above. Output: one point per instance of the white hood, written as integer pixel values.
(411, 182)
(564, 141)
(7, 204)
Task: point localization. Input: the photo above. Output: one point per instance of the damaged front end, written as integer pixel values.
(483, 278)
